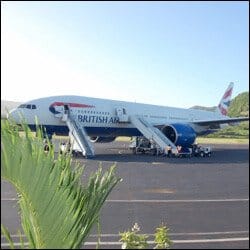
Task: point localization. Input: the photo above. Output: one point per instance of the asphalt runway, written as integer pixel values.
(203, 201)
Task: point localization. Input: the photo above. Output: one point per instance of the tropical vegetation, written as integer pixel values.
(132, 239)
(57, 210)
(239, 107)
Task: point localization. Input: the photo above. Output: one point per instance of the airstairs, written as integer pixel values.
(152, 133)
(79, 134)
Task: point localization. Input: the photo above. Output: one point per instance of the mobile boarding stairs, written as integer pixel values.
(152, 133)
(77, 133)
(80, 136)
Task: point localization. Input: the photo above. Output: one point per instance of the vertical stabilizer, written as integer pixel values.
(225, 100)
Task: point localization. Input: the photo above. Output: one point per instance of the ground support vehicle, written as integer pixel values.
(70, 146)
(201, 151)
(182, 152)
(64, 147)
(142, 145)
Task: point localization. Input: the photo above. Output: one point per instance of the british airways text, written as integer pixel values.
(97, 119)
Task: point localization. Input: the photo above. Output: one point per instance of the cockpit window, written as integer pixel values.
(27, 106)
(22, 106)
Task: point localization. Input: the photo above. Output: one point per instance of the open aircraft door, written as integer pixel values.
(59, 111)
(62, 110)
(122, 114)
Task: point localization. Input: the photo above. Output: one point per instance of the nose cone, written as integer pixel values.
(15, 115)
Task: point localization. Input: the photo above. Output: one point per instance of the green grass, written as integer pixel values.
(123, 138)
(204, 140)
(240, 131)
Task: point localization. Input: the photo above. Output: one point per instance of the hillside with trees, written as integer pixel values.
(239, 105)
(204, 108)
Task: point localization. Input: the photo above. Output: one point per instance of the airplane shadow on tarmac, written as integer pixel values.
(219, 156)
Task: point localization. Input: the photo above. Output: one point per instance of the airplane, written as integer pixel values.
(102, 120)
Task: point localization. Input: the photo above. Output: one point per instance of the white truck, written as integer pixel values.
(201, 151)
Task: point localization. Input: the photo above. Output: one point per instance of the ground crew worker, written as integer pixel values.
(169, 150)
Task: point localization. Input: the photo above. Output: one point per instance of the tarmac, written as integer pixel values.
(203, 201)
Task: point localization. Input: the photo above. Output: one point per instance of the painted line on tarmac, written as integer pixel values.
(176, 241)
(177, 234)
(150, 242)
(209, 240)
(172, 234)
(9, 199)
(177, 201)
(159, 201)
(210, 233)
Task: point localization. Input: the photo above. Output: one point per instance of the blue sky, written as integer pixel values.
(167, 53)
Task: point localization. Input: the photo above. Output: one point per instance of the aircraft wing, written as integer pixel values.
(220, 121)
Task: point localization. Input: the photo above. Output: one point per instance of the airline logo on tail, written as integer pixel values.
(226, 100)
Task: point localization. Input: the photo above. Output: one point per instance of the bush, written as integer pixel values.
(133, 240)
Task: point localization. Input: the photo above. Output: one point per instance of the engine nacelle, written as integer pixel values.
(180, 134)
(101, 139)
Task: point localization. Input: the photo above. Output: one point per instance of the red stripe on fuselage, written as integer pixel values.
(72, 105)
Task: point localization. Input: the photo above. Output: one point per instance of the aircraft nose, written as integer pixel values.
(14, 115)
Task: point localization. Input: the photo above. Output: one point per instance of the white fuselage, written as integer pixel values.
(100, 115)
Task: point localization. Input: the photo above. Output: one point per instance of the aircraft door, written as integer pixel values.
(59, 111)
(66, 110)
(122, 114)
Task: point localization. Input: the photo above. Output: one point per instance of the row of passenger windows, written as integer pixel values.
(93, 112)
(154, 116)
(27, 106)
(178, 118)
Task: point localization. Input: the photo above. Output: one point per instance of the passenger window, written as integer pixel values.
(28, 106)
(33, 106)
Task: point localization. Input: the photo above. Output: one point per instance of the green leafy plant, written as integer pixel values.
(7, 236)
(162, 239)
(57, 210)
(132, 240)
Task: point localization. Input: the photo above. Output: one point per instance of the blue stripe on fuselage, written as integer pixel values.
(101, 131)
(91, 131)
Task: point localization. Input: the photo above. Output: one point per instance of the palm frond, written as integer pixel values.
(7, 236)
(57, 211)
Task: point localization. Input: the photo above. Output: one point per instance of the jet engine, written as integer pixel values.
(180, 134)
(101, 139)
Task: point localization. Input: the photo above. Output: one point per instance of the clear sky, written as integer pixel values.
(166, 53)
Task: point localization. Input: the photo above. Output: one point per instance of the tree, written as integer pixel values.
(239, 105)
